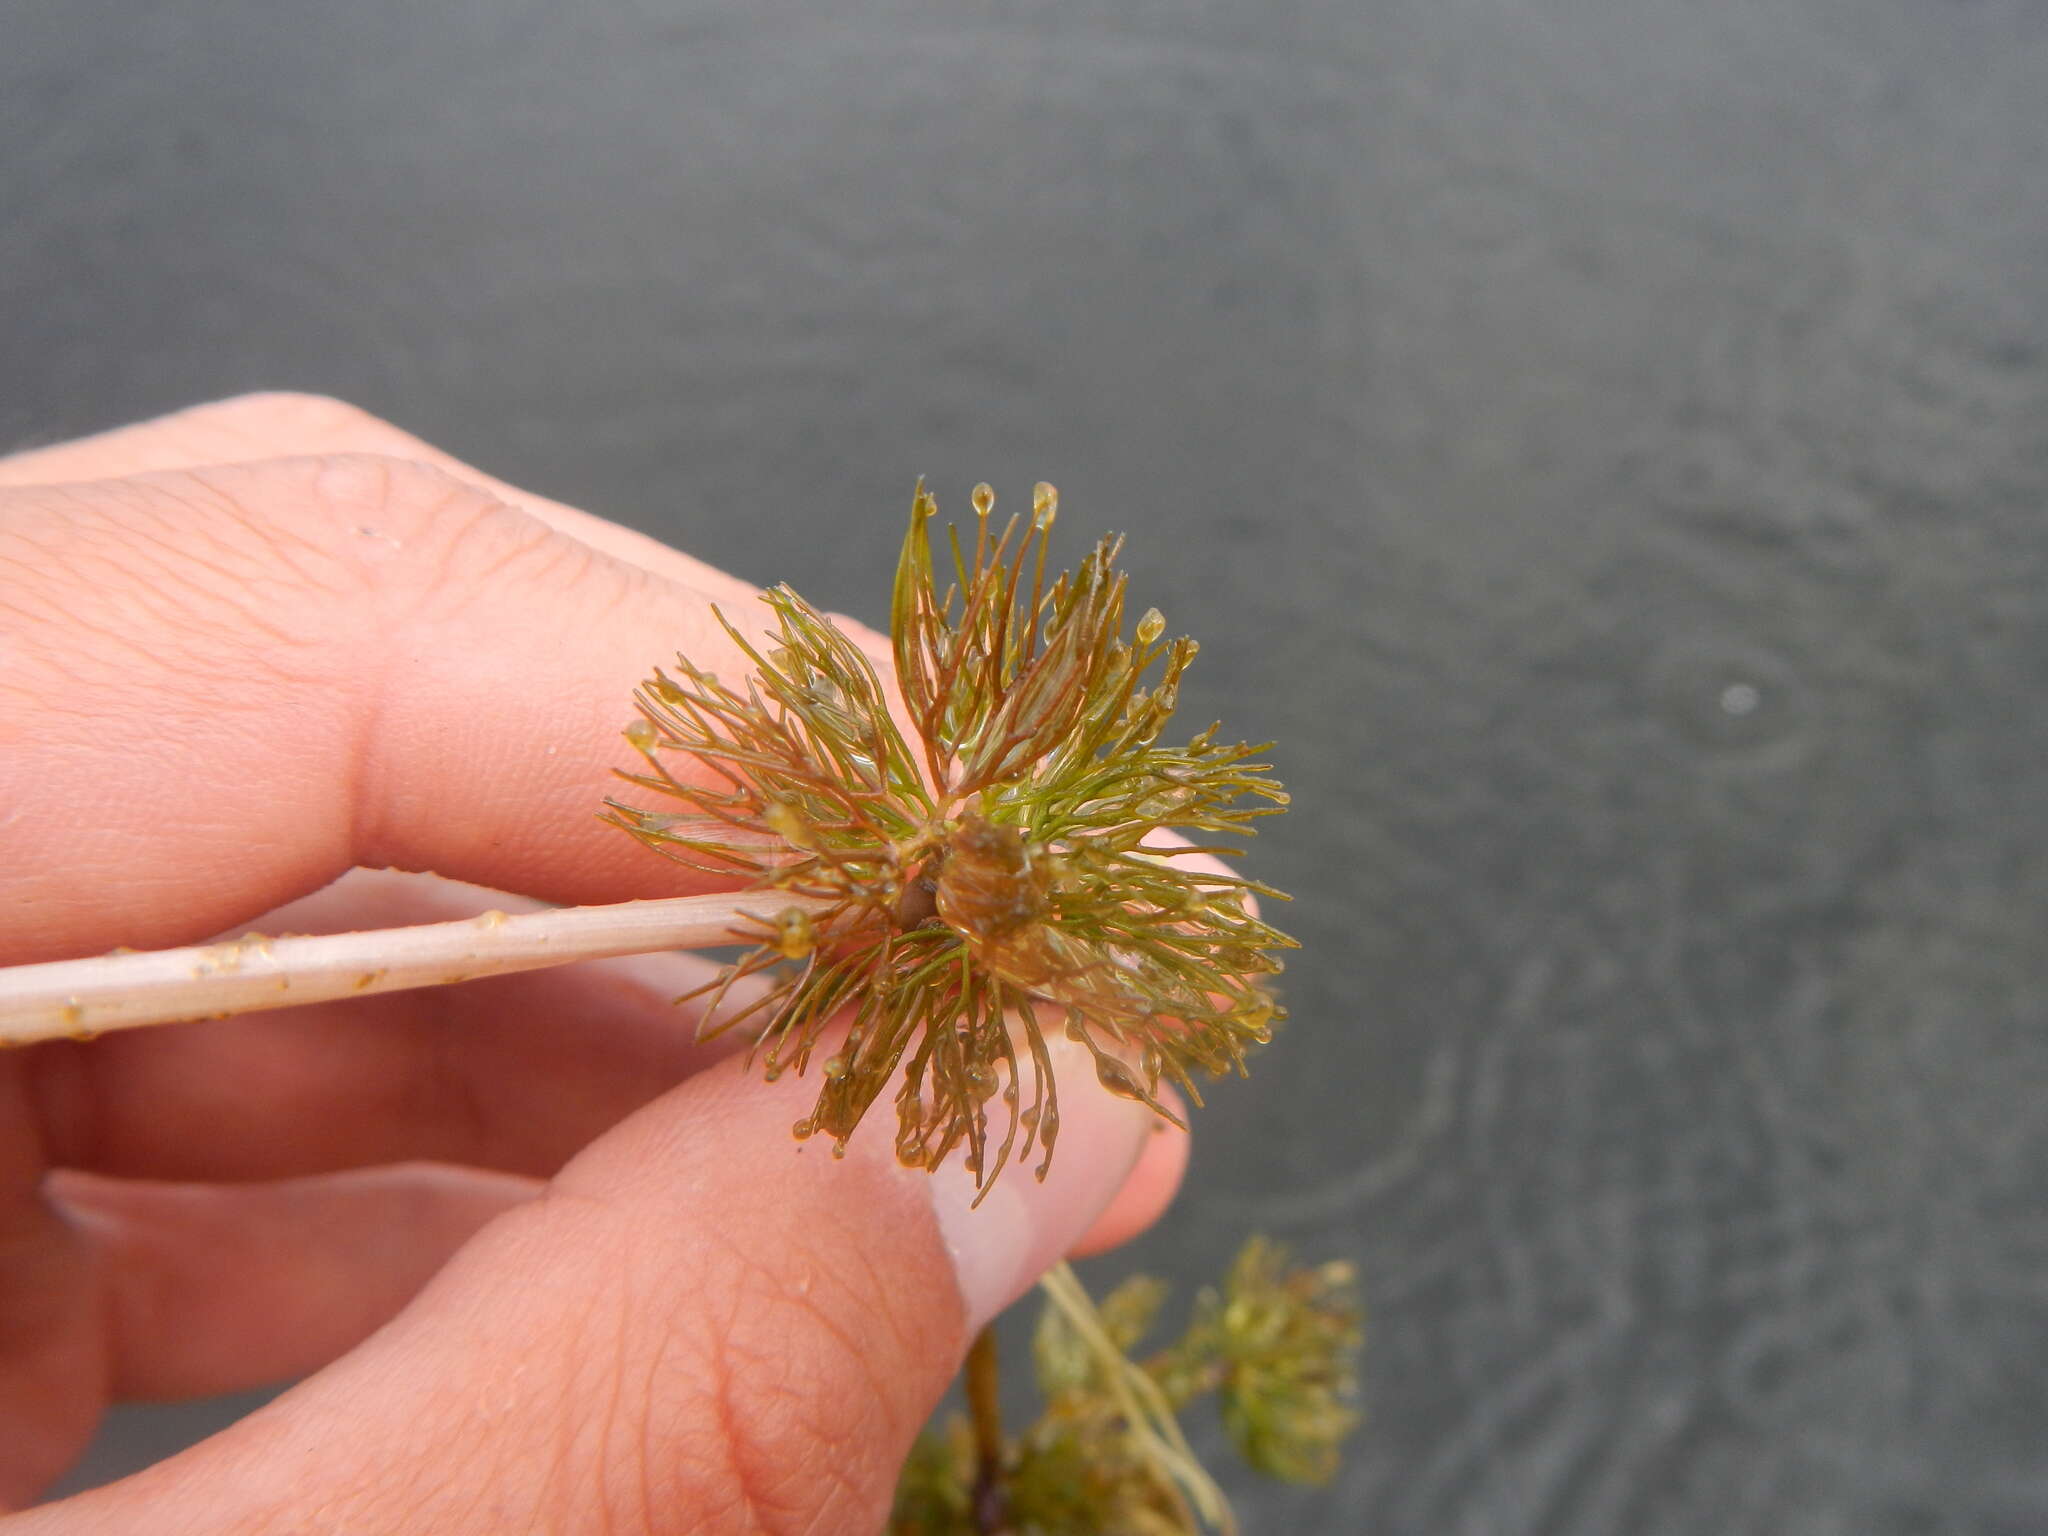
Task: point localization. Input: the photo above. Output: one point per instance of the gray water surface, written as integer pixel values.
(1604, 442)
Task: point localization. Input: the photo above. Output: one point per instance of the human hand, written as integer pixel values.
(244, 650)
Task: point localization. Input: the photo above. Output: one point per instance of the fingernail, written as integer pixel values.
(1023, 1227)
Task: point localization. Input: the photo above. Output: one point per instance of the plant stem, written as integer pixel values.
(991, 1504)
(1154, 1429)
(79, 999)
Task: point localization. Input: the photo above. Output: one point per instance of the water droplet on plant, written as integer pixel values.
(794, 935)
(984, 499)
(836, 1067)
(1151, 626)
(1116, 1077)
(787, 822)
(803, 1129)
(839, 1149)
(1045, 506)
(641, 734)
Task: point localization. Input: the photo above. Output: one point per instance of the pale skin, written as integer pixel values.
(543, 1262)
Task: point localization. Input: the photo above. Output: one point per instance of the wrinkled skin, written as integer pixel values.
(538, 1265)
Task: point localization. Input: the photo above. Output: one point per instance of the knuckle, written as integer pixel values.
(398, 512)
(289, 416)
(779, 1418)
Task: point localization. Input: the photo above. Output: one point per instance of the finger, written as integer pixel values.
(1150, 1189)
(288, 425)
(281, 424)
(260, 675)
(698, 1328)
(208, 1289)
(515, 1073)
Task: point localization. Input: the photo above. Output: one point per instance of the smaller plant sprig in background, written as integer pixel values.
(1276, 1346)
(982, 847)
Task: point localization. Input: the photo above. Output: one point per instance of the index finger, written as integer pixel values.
(221, 687)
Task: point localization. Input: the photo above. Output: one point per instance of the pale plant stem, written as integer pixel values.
(82, 998)
(1150, 1417)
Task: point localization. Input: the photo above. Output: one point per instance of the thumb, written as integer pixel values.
(701, 1326)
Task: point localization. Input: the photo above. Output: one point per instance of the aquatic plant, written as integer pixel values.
(977, 853)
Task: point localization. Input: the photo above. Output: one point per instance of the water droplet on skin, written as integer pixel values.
(1151, 626)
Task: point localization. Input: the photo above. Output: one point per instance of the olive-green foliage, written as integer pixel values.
(986, 837)
(1277, 1346)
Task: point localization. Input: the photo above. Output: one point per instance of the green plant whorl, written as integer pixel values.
(993, 858)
